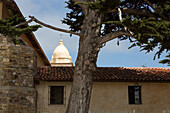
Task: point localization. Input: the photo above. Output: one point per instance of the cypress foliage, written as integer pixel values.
(150, 32)
(166, 61)
(75, 18)
(7, 27)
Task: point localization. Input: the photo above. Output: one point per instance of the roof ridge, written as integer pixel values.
(110, 67)
(121, 74)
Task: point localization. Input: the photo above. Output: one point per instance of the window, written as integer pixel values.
(134, 94)
(56, 95)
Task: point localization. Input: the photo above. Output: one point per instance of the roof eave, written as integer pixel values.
(13, 6)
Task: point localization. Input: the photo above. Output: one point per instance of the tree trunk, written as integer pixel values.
(80, 95)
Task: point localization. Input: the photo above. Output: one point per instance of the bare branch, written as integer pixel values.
(113, 35)
(24, 23)
(133, 12)
(120, 18)
(162, 16)
(52, 27)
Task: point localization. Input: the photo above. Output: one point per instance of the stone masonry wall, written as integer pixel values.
(17, 71)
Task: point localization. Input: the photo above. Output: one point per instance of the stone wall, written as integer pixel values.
(17, 71)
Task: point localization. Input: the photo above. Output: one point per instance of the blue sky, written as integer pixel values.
(53, 11)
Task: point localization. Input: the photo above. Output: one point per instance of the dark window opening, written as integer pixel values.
(57, 95)
(134, 94)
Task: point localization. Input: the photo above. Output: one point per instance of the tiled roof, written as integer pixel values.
(107, 74)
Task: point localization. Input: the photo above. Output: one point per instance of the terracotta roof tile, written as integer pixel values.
(107, 74)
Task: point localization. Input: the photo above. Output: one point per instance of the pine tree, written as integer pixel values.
(150, 30)
(9, 27)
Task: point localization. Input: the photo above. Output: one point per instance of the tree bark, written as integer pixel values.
(80, 95)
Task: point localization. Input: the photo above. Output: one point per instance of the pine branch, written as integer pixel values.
(120, 18)
(52, 27)
(112, 36)
(10, 26)
(24, 23)
(162, 16)
(133, 12)
(166, 61)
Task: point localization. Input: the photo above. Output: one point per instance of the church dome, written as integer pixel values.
(61, 56)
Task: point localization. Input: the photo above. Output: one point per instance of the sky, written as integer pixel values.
(111, 55)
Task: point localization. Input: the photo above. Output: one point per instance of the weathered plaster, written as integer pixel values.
(112, 97)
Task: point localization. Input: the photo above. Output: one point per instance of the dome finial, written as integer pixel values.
(61, 40)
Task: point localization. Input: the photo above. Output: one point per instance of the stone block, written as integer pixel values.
(17, 71)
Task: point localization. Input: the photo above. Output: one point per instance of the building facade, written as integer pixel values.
(109, 97)
(30, 84)
(115, 89)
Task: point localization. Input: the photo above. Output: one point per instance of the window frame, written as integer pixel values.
(49, 95)
(140, 95)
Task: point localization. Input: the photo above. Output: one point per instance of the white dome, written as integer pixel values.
(61, 56)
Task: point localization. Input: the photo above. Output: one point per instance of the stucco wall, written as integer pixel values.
(112, 97)
(43, 105)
